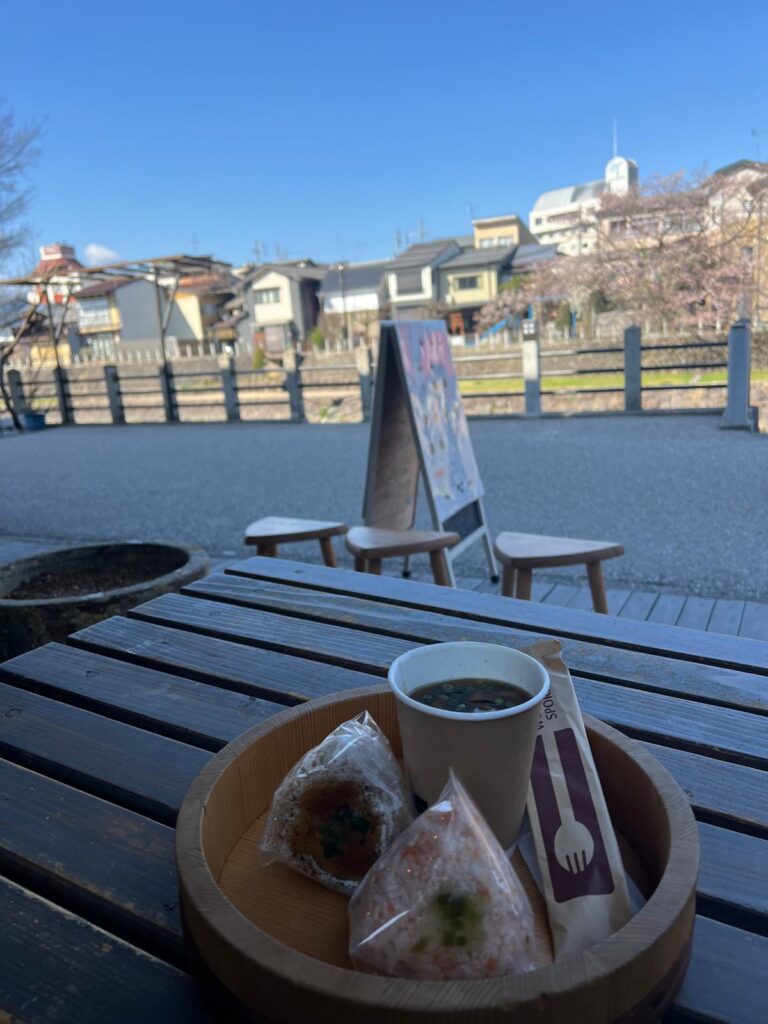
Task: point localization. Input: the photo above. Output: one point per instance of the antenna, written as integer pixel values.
(421, 230)
(471, 208)
(756, 136)
(615, 138)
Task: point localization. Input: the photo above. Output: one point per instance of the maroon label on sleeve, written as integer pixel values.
(576, 854)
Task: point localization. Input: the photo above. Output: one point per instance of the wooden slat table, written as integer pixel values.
(100, 738)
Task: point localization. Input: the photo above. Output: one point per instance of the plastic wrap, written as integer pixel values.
(339, 807)
(444, 901)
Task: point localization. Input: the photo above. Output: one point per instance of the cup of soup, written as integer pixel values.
(473, 707)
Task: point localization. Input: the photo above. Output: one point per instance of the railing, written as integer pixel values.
(518, 379)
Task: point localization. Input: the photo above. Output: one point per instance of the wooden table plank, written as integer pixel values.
(222, 663)
(719, 792)
(92, 856)
(696, 612)
(735, 736)
(59, 968)
(639, 605)
(563, 622)
(727, 980)
(755, 621)
(733, 877)
(288, 635)
(667, 609)
(137, 769)
(712, 683)
(726, 617)
(190, 711)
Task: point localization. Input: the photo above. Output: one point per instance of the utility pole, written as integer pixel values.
(345, 328)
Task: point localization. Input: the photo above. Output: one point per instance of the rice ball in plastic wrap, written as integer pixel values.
(339, 807)
(444, 902)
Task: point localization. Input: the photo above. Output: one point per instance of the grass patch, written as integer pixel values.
(514, 385)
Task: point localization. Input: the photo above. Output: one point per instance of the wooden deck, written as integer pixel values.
(713, 614)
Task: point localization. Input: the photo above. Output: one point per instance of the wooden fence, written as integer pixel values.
(515, 382)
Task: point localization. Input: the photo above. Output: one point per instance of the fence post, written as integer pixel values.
(738, 413)
(18, 398)
(531, 371)
(229, 384)
(61, 383)
(633, 363)
(364, 372)
(169, 396)
(292, 367)
(114, 395)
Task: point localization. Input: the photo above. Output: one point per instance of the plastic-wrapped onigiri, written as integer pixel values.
(339, 807)
(444, 901)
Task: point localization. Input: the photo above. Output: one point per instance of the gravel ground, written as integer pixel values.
(687, 500)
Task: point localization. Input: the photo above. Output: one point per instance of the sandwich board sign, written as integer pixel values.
(419, 431)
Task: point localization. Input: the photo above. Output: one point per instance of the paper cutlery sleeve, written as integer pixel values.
(581, 867)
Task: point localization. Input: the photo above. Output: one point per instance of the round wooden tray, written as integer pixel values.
(278, 942)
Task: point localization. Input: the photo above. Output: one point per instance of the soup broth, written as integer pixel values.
(471, 695)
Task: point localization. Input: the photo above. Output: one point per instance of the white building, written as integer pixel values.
(565, 217)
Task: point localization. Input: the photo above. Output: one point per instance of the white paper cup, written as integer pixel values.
(492, 751)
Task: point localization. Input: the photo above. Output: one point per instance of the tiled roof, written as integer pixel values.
(111, 284)
(531, 252)
(492, 255)
(358, 277)
(422, 254)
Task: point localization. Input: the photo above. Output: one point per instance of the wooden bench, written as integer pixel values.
(270, 531)
(521, 553)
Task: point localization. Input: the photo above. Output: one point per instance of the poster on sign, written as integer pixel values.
(419, 431)
(448, 460)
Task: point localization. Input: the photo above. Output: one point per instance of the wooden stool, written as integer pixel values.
(521, 553)
(270, 531)
(369, 545)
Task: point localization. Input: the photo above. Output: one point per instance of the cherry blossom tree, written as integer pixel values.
(677, 253)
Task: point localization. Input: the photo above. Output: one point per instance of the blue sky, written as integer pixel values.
(325, 127)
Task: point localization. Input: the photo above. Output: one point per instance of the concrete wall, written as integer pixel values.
(185, 322)
(138, 314)
(355, 302)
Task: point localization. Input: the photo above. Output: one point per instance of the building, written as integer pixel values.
(504, 230)
(412, 277)
(566, 217)
(118, 311)
(352, 297)
(200, 307)
(474, 276)
(59, 264)
(281, 303)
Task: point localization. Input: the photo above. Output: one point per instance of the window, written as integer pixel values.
(94, 313)
(261, 296)
(408, 281)
(539, 220)
(465, 283)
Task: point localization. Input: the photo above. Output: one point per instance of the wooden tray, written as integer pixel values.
(278, 942)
